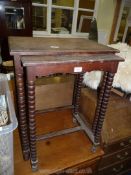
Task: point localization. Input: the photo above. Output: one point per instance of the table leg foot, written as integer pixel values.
(74, 120)
(93, 149)
(26, 154)
(34, 165)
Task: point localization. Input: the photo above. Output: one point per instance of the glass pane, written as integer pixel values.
(128, 36)
(84, 21)
(39, 18)
(14, 18)
(69, 3)
(61, 21)
(125, 14)
(88, 4)
(40, 1)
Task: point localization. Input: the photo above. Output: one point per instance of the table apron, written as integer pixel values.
(73, 68)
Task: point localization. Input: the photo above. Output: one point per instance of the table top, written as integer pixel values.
(46, 45)
(89, 58)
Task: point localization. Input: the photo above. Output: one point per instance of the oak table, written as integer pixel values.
(46, 56)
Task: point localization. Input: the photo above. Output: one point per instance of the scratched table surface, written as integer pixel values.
(38, 60)
(39, 44)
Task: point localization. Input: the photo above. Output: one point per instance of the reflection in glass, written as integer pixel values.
(40, 1)
(125, 14)
(61, 21)
(69, 3)
(39, 18)
(15, 18)
(84, 21)
(90, 4)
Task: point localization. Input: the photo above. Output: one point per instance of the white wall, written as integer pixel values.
(104, 19)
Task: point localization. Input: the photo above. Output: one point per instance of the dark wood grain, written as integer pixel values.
(116, 131)
(98, 108)
(48, 69)
(78, 93)
(29, 45)
(32, 124)
(59, 153)
(75, 58)
(75, 89)
(104, 104)
(21, 105)
(117, 168)
(110, 159)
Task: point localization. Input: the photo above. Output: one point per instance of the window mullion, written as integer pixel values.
(96, 9)
(39, 5)
(49, 4)
(62, 7)
(75, 15)
(86, 10)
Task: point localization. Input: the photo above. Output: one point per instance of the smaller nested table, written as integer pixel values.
(46, 65)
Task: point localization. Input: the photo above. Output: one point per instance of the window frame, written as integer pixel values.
(75, 9)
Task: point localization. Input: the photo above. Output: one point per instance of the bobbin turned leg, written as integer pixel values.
(32, 124)
(21, 104)
(99, 102)
(22, 117)
(74, 94)
(77, 92)
(104, 104)
(75, 88)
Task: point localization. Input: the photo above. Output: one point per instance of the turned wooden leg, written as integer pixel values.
(77, 92)
(22, 115)
(104, 104)
(32, 124)
(99, 102)
(75, 88)
(74, 94)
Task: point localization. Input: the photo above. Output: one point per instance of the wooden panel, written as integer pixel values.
(121, 144)
(51, 89)
(126, 172)
(64, 59)
(115, 157)
(30, 44)
(82, 169)
(58, 153)
(118, 114)
(88, 168)
(116, 168)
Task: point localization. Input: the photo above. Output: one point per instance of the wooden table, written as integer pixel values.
(45, 56)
